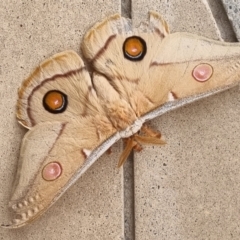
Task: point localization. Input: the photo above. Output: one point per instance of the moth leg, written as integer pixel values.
(109, 151)
(138, 147)
(135, 143)
(130, 144)
(149, 140)
(150, 132)
(148, 135)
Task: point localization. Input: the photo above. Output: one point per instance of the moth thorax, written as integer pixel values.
(132, 129)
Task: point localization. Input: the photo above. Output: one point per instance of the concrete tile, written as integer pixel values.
(232, 8)
(30, 32)
(191, 16)
(222, 21)
(189, 189)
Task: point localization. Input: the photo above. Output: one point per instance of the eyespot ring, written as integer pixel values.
(134, 48)
(55, 101)
(52, 171)
(202, 72)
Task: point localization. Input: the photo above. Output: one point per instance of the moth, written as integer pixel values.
(74, 117)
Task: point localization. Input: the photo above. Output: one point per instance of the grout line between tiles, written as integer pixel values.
(222, 21)
(126, 8)
(129, 209)
(128, 168)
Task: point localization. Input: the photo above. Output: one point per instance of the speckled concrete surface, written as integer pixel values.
(188, 189)
(233, 11)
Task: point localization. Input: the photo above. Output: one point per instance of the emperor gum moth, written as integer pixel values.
(73, 118)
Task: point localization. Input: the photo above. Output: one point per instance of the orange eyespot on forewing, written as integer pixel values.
(134, 48)
(55, 101)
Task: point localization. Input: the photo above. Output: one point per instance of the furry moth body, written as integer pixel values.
(139, 74)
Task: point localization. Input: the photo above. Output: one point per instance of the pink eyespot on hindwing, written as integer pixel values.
(51, 171)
